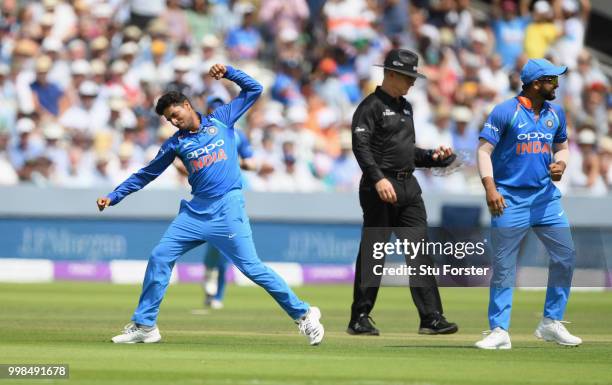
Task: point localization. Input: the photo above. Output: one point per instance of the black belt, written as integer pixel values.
(397, 175)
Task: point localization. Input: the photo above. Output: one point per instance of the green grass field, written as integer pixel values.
(252, 342)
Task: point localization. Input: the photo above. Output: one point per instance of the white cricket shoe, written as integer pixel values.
(498, 338)
(553, 330)
(216, 304)
(211, 277)
(310, 326)
(133, 334)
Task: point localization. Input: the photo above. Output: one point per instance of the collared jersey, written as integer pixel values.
(384, 138)
(210, 154)
(523, 146)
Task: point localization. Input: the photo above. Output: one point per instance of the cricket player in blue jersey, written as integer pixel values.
(206, 146)
(215, 264)
(523, 149)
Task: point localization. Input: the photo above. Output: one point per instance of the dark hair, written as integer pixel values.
(169, 99)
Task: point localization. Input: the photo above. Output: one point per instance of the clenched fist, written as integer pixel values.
(217, 71)
(103, 203)
(556, 170)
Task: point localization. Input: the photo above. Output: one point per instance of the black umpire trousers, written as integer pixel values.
(407, 219)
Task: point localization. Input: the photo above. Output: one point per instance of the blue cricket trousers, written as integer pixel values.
(222, 222)
(541, 210)
(214, 260)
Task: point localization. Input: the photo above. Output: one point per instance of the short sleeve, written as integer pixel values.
(494, 127)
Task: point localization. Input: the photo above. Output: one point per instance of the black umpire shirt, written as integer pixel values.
(384, 139)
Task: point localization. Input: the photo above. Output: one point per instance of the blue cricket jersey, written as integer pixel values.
(523, 146)
(210, 155)
(243, 145)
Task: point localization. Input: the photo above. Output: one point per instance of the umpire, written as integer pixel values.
(390, 196)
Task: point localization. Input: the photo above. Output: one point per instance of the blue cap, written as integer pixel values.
(536, 68)
(214, 101)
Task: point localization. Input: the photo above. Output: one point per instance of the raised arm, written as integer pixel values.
(585, 10)
(250, 90)
(524, 8)
(141, 178)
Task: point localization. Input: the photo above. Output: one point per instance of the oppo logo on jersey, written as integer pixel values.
(205, 150)
(212, 156)
(534, 144)
(534, 136)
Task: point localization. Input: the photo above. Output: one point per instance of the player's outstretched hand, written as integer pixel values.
(217, 71)
(103, 203)
(442, 153)
(556, 170)
(496, 202)
(385, 190)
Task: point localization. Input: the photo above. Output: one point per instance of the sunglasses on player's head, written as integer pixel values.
(554, 80)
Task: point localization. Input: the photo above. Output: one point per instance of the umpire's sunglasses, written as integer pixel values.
(554, 80)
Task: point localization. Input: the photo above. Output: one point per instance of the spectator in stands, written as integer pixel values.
(509, 25)
(101, 176)
(294, 176)
(142, 12)
(177, 21)
(345, 172)
(288, 47)
(464, 132)
(593, 109)
(89, 114)
(286, 87)
(542, 32)
(27, 146)
(120, 114)
(160, 69)
(574, 18)
(8, 98)
(605, 156)
(119, 84)
(8, 176)
(201, 20)
(54, 148)
(298, 133)
(99, 49)
(283, 15)
(59, 73)
(210, 51)
(314, 71)
(78, 176)
(330, 89)
(182, 66)
(48, 96)
(244, 42)
(80, 70)
(494, 79)
(128, 53)
(586, 72)
(585, 174)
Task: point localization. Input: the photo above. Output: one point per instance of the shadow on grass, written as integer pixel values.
(451, 347)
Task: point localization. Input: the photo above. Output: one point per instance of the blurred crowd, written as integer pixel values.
(79, 80)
